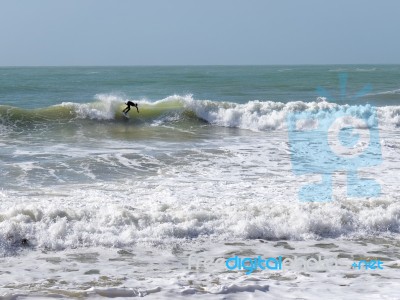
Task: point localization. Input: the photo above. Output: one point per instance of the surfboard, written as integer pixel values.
(125, 115)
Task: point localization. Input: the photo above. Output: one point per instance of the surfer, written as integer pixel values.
(128, 108)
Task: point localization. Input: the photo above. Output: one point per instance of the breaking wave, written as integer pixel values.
(254, 115)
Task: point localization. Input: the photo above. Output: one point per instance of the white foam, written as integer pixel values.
(132, 213)
(268, 115)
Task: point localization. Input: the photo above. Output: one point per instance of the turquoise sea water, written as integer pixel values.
(55, 108)
(41, 87)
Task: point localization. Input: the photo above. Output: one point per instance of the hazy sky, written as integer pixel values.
(189, 32)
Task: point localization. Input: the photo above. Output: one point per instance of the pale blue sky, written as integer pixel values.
(188, 32)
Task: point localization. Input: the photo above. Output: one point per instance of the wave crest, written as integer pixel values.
(254, 115)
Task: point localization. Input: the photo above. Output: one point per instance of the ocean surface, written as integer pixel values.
(94, 204)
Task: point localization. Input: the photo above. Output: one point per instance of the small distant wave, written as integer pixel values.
(338, 70)
(391, 92)
(353, 70)
(365, 69)
(386, 97)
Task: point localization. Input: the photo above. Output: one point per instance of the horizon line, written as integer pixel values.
(197, 65)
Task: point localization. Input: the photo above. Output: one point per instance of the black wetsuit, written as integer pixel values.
(128, 108)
